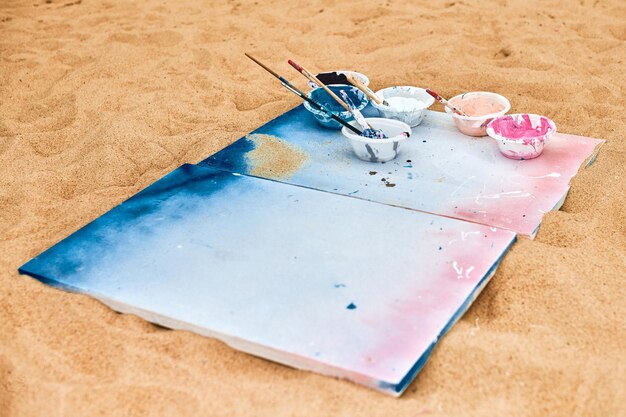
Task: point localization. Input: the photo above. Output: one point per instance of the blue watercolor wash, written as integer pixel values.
(320, 96)
(168, 199)
(233, 157)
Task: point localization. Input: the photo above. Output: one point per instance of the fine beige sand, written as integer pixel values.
(98, 99)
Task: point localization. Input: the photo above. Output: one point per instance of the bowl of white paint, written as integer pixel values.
(375, 149)
(406, 104)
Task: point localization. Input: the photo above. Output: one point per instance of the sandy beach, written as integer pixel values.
(100, 99)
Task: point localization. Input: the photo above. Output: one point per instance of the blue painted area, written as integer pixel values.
(67, 258)
(233, 157)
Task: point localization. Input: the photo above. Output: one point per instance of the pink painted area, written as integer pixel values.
(523, 127)
(519, 201)
(422, 313)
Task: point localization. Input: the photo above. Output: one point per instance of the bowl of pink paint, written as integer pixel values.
(521, 136)
(481, 108)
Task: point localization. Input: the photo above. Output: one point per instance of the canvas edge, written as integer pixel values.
(286, 358)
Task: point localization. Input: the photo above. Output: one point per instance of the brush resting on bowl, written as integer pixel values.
(481, 108)
(320, 96)
(376, 149)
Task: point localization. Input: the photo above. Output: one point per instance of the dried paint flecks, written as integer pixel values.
(387, 183)
(272, 157)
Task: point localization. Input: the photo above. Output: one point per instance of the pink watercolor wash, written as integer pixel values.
(538, 186)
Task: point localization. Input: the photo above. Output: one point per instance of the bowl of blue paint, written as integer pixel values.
(320, 96)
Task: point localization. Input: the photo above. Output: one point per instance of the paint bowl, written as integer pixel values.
(320, 96)
(400, 107)
(521, 136)
(379, 150)
(477, 125)
(362, 77)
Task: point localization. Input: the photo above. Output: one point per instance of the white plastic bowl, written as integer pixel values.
(411, 117)
(477, 125)
(521, 136)
(379, 150)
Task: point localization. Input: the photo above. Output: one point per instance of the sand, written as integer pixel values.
(273, 157)
(100, 99)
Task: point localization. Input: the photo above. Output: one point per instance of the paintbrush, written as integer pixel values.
(368, 131)
(303, 96)
(445, 102)
(309, 75)
(314, 79)
(368, 91)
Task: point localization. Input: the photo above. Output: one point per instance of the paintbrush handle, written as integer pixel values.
(314, 79)
(358, 116)
(368, 92)
(299, 93)
(319, 107)
(445, 102)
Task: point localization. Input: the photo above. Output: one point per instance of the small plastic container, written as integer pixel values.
(412, 117)
(379, 150)
(320, 96)
(477, 125)
(521, 136)
(362, 77)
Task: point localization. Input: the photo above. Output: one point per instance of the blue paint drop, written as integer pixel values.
(351, 306)
(340, 285)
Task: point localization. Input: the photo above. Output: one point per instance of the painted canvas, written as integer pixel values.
(439, 170)
(342, 286)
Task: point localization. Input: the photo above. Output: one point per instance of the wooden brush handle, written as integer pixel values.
(368, 92)
(445, 102)
(328, 90)
(314, 79)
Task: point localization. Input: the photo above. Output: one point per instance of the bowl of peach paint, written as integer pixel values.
(481, 108)
(521, 136)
